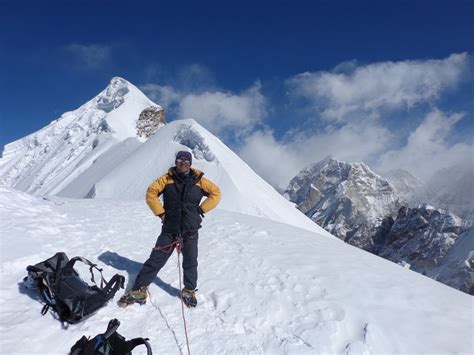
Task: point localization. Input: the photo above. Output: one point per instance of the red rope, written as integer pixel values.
(178, 243)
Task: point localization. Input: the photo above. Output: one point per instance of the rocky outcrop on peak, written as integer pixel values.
(421, 236)
(113, 96)
(150, 120)
(190, 138)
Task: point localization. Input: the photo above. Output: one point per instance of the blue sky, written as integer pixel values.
(239, 69)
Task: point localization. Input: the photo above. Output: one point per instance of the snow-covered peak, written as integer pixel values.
(122, 102)
(113, 95)
(347, 199)
(47, 160)
(337, 174)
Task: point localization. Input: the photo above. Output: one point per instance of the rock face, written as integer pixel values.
(365, 210)
(421, 236)
(433, 242)
(150, 120)
(348, 200)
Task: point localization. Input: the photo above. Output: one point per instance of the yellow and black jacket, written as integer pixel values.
(182, 197)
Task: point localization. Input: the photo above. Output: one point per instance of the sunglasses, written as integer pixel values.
(183, 161)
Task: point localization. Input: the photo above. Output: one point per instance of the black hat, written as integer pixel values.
(185, 155)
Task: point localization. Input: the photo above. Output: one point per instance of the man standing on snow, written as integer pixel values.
(183, 188)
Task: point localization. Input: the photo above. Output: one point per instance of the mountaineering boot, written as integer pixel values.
(134, 296)
(189, 297)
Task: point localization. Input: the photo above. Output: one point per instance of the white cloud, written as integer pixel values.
(164, 95)
(90, 56)
(352, 142)
(279, 161)
(428, 148)
(366, 91)
(351, 102)
(192, 93)
(219, 110)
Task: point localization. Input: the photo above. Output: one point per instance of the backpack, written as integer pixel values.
(110, 343)
(65, 292)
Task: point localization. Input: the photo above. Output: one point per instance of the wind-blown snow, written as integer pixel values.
(264, 287)
(243, 190)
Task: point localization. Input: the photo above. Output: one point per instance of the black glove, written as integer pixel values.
(201, 212)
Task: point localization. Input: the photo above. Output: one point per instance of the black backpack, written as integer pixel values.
(64, 291)
(109, 343)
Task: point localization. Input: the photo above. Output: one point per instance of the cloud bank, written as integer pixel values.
(355, 104)
(428, 147)
(217, 110)
(353, 109)
(373, 89)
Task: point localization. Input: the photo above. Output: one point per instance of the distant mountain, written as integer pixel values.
(367, 211)
(348, 200)
(407, 186)
(435, 243)
(452, 189)
(46, 161)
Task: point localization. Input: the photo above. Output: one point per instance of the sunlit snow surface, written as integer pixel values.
(264, 287)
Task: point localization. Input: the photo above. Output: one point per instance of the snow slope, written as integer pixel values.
(46, 161)
(265, 287)
(243, 190)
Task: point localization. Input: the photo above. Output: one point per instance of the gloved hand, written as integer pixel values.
(201, 212)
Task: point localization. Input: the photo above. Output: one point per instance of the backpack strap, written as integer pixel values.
(133, 343)
(70, 266)
(116, 282)
(111, 328)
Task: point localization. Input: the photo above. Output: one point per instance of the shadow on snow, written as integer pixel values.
(133, 268)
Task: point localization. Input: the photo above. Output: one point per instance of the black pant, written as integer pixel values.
(158, 259)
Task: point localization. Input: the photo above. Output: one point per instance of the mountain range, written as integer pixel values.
(386, 217)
